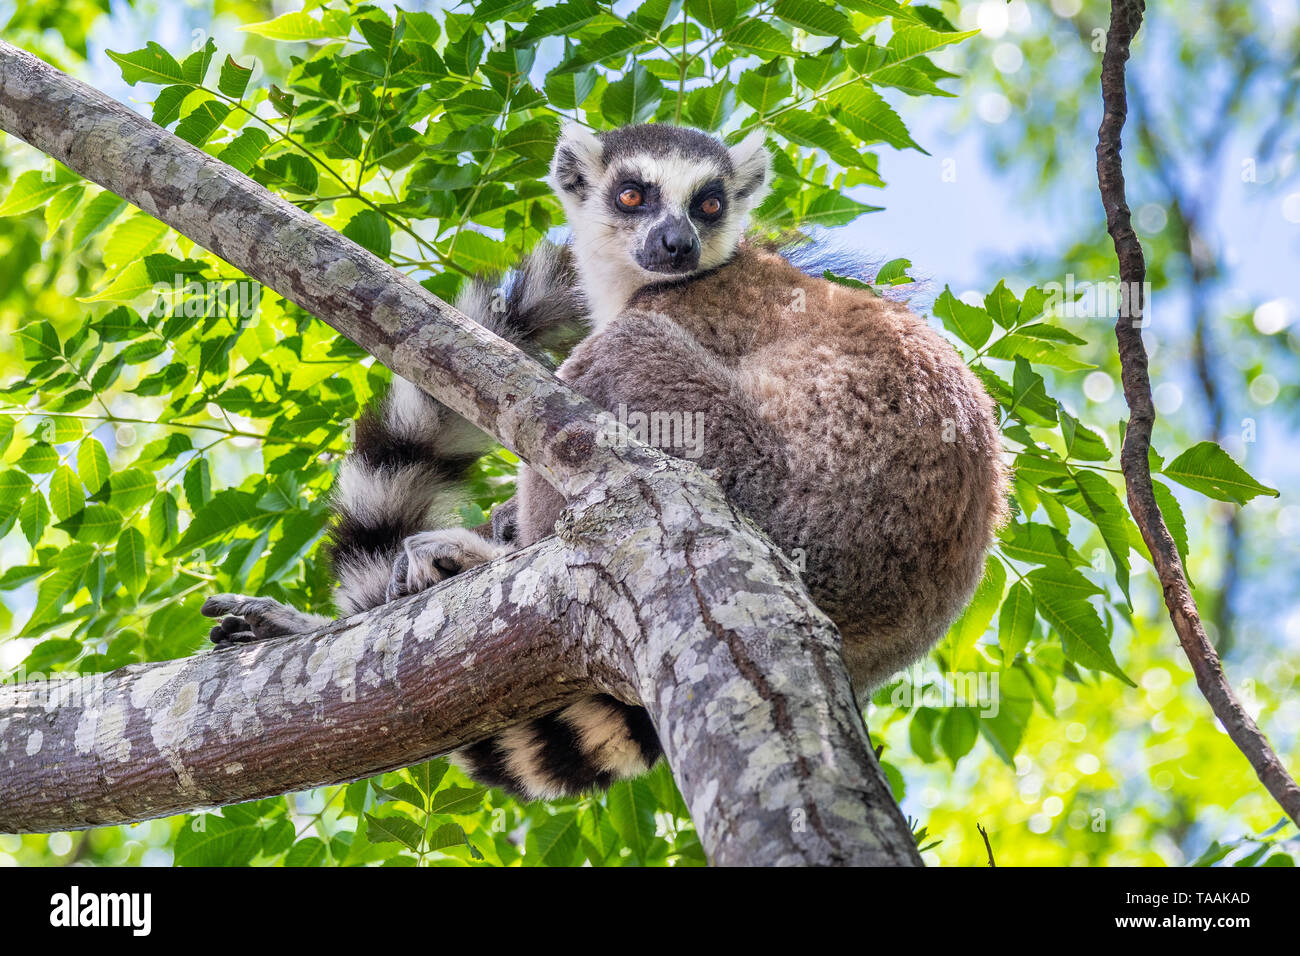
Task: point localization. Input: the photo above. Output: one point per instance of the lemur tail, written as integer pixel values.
(411, 452)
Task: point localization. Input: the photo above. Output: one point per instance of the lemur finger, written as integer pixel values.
(397, 580)
(219, 605)
(231, 630)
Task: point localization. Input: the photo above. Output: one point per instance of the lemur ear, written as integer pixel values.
(577, 160)
(753, 167)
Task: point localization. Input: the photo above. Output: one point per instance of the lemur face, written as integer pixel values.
(650, 202)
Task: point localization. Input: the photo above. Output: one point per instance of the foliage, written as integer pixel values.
(173, 429)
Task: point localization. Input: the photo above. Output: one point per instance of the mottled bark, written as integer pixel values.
(1126, 18)
(655, 589)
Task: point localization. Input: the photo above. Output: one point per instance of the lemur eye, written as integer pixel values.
(711, 206)
(630, 198)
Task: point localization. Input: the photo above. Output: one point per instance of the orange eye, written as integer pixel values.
(711, 206)
(630, 198)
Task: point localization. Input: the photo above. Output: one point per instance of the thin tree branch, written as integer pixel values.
(1126, 18)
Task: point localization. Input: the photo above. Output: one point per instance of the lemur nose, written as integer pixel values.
(678, 242)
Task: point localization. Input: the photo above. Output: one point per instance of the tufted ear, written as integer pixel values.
(577, 161)
(753, 167)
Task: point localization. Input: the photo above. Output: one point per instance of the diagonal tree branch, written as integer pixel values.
(656, 589)
(1126, 19)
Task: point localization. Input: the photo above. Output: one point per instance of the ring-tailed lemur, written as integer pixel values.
(849, 430)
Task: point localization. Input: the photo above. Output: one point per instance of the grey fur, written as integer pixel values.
(850, 431)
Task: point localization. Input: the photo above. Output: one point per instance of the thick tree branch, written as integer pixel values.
(1126, 18)
(656, 590)
(375, 692)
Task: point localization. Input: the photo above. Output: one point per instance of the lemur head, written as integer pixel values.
(653, 202)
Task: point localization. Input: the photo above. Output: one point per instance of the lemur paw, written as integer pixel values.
(430, 557)
(247, 619)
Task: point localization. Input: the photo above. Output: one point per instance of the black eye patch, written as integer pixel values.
(625, 184)
(709, 202)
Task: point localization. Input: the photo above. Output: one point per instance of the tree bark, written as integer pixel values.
(1126, 19)
(655, 590)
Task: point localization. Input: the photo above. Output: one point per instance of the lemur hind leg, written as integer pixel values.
(431, 557)
(244, 620)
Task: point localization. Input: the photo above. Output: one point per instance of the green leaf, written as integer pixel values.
(1029, 398)
(1064, 580)
(130, 561)
(97, 214)
(167, 104)
(92, 465)
(445, 836)
(227, 510)
(709, 107)
(130, 489)
(198, 483)
(194, 68)
(1038, 544)
(958, 732)
(1098, 501)
(1049, 333)
(766, 86)
(299, 532)
(218, 842)
(428, 775)
(201, 122)
(761, 38)
(370, 230)
(234, 78)
(631, 806)
(1002, 305)
(153, 64)
(95, 524)
(1172, 512)
(969, 323)
(1075, 621)
(457, 800)
(295, 26)
(1207, 468)
(910, 40)
(66, 497)
(31, 190)
(1081, 442)
(310, 851)
(394, 829)
(633, 98)
(813, 17)
(832, 208)
(714, 14)
(894, 272)
(1015, 622)
(33, 517)
(163, 518)
(921, 732)
(866, 114)
(974, 620)
(570, 90)
(563, 19)
(553, 842)
(53, 593)
(246, 149)
(132, 238)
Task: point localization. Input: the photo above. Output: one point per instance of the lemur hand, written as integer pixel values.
(247, 619)
(430, 557)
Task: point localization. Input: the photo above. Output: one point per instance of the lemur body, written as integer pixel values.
(844, 426)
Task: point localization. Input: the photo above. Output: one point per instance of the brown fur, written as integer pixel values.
(847, 428)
